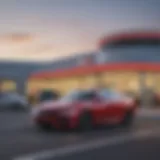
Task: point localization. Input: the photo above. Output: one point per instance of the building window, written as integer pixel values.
(101, 57)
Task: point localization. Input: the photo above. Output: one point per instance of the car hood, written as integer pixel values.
(54, 105)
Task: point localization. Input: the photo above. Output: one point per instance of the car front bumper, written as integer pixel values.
(57, 121)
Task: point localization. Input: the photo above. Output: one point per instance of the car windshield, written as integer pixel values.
(79, 95)
(110, 94)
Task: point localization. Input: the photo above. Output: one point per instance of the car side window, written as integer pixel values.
(87, 96)
(110, 95)
(105, 95)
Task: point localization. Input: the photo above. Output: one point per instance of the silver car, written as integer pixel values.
(12, 101)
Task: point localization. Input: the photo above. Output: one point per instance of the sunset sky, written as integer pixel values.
(41, 30)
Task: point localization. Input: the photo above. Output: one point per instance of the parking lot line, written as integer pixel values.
(96, 144)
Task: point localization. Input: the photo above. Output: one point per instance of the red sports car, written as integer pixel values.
(85, 109)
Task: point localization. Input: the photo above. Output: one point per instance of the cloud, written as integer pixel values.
(17, 37)
(39, 48)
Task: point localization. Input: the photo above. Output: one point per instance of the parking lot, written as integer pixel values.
(19, 139)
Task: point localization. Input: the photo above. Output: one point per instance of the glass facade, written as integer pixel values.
(126, 82)
(129, 54)
(122, 81)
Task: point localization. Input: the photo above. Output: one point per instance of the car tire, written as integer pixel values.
(85, 122)
(128, 119)
(44, 127)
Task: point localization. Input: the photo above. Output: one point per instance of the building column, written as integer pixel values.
(142, 84)
(21, 86)
(147, 90)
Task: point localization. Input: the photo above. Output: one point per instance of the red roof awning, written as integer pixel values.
(93, 69)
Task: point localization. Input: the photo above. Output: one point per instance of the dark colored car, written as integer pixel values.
(12, 101)
(47, 95)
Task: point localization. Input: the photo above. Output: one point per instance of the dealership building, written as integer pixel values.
(128, 62)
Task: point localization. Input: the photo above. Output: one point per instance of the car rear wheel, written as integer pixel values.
(128, 119)
(85, 122)
(44, 127)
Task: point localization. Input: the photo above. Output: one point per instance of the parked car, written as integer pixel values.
(12, 101)
(43, 95)
(84, 110)
(47, 94)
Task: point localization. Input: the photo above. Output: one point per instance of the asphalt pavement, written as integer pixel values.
(19, 140)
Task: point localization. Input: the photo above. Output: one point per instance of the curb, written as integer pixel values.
(148, 113)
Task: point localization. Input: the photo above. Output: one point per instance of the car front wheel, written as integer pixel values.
(85, 122)
(128, 119)
(44, 127)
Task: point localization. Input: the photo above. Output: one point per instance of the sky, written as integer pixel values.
(45, 30)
